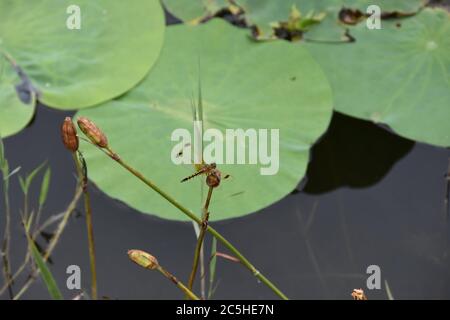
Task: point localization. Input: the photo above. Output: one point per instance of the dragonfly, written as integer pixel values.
(210, 170)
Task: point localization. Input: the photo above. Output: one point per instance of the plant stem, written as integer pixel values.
(4, 168)
(5, 245)
(194, 217)
(202, 273)
(90, 230)
(203, 226)
(180, 285)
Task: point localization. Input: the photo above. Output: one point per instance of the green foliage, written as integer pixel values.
(113, 50)
(44, 187)
(398, 75)
(45, 272)
(25, 183)
(244, 85)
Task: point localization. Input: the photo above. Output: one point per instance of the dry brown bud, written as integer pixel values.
(358, 294)
(143, 259)
(69, 135)
(93, 132)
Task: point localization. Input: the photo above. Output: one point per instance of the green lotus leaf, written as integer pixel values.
(398, 75)
(113, 49)
(193, 11)
(244, 84)
(15, 114)
(263, 13)
(400, 6)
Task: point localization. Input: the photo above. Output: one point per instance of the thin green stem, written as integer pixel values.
(194, 217)
(180, 285)
(89, 227)
(5, 245)
(4, 252)
(201, 236)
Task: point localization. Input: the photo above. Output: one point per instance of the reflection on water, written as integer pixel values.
(371, 198)
(353, 153)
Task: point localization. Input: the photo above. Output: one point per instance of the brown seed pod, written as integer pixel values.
(213, 178)
(93, 132)
(143, 259)
(69, 135)
(358, 294)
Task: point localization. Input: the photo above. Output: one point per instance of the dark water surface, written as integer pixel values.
(371, 198)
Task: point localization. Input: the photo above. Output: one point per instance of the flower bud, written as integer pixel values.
(69, 135)
(143, 259)
(93, 132)
(358, 294)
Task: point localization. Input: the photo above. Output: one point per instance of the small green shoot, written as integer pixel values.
(44, 187)
(26, 182)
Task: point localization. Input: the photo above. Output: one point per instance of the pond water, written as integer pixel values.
(370, 198)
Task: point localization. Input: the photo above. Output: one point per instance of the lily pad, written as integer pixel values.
(388, 6)
(113, 50)
(247, 85)
(15, 114)
(398, 75)
(263, 13)
(193, 11)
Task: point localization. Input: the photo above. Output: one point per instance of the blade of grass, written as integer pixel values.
(22, 184)
(388, 290)
(12, 173)
(25, 183)
(46, 275)
(43, 194)
(44, 187)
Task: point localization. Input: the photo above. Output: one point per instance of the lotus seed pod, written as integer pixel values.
(358, 294)
(143, 259)
(93, 132)
(69, 135)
